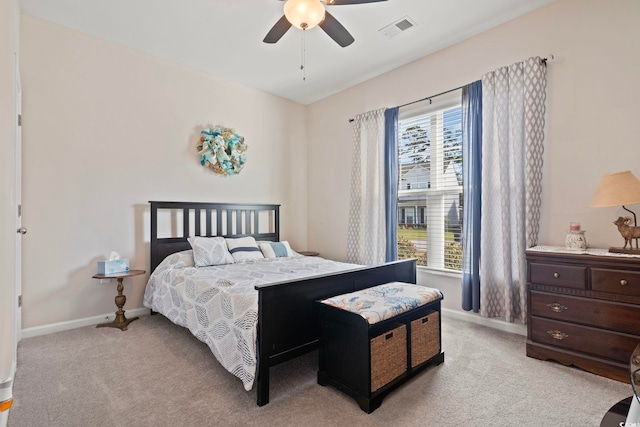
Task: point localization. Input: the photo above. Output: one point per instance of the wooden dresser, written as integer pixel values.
(583, 309)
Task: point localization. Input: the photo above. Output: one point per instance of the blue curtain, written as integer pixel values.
(472, 188)
(391, 180)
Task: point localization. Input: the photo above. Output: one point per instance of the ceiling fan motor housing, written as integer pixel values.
(304, 14)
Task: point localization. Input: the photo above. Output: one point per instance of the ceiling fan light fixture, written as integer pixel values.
(304, 14)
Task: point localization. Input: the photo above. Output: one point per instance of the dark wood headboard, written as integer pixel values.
(208, 220)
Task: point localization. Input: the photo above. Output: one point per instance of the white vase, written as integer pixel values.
(575, 240)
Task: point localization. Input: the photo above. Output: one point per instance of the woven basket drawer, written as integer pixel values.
(425, 338)
(388, 356)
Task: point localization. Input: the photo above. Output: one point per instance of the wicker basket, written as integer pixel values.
(425, 338)
(388, 356)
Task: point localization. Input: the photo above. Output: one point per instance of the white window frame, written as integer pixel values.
(435, 194)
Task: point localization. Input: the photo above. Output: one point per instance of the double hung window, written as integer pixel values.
(430, 185)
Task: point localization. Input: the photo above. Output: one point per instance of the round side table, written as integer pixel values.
(120, 322)
(309, 253)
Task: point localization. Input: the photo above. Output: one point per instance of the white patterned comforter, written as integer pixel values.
(219, 305)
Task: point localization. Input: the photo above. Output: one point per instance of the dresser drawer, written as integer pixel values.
(558, 275)
(584, 339)
(615, 281)
(598, 313)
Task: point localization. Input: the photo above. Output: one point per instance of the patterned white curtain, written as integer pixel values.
(512, 144)
(366, 237)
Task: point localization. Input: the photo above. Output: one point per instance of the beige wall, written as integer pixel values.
(592, 111)
(107, 129)
(9, 34)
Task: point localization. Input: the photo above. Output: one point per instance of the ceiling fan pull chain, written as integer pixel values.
(303, 53)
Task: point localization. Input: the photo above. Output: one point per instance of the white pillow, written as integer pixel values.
(209, 251)
(181, 259)
(276, 249)
(244, 248)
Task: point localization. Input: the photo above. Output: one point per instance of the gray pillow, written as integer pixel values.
(209, 251)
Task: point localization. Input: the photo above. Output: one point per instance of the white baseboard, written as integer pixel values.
(88, 321)
(502, 325)
(78, 323)
(94, 320)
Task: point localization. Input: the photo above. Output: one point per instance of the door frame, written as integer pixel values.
(17, 134)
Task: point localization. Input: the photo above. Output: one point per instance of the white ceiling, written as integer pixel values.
(224, 37)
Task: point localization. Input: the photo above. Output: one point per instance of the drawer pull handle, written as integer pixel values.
(558, 308)
(556, 275)
(624, 282)
(557, 335)
(388, 336)
(425, 320)
(636, 360)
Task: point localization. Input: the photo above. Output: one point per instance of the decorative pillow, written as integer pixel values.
(180, 259)
(244, 248)
(209, 251)
(276, 249)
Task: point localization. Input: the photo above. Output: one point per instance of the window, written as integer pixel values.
(430, 186)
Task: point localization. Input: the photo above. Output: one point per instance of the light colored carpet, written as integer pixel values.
(158, 374)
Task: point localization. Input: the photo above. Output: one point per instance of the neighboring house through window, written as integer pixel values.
(430, 185)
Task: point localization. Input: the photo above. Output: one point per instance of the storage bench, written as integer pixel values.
(373, 340)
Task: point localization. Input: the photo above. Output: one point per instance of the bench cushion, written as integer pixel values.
(384, 301)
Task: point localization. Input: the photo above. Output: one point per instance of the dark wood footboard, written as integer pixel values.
(287, 318)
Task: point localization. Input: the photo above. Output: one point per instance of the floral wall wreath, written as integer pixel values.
(223, 150)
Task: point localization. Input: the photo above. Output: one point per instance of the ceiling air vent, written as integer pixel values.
(395, 28)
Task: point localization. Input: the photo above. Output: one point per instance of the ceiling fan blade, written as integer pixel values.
(336, 30)
(343, 2)
(278, 30)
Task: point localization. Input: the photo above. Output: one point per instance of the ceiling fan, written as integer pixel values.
(306, 14)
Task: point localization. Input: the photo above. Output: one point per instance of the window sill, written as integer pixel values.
(436, 272)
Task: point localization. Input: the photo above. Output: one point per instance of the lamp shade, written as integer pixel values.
(616, 189)
(304, 14)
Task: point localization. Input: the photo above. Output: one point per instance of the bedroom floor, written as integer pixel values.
(158, 374)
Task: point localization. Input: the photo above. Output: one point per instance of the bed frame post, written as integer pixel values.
(262, 367)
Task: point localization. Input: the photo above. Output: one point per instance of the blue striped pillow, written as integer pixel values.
(244, 248)
(276, 249)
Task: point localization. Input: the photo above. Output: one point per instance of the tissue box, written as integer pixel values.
(113, 266)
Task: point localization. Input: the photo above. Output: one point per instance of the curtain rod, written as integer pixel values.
(429, 97)
(544, 61)
(424, 99)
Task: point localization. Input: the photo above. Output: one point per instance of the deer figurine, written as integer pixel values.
(627, 231)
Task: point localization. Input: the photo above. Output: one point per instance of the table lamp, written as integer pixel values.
(619, 189)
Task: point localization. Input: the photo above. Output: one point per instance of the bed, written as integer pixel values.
(283, 322)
